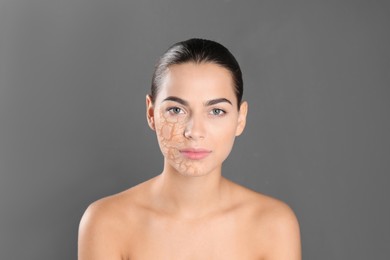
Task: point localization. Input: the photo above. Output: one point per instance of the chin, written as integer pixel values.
(192, 174)
(192, 170)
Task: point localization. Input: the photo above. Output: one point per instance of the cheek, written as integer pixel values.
(170, 139)
(224, 130)
(224, 139)
(169, 133)
(166, 131)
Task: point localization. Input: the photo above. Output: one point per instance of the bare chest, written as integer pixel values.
(220, 238)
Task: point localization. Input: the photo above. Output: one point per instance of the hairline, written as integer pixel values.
(164, 72)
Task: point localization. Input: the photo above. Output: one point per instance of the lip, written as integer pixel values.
(195, 153)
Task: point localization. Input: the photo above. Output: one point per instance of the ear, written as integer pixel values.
(150, 112)
(242, 118)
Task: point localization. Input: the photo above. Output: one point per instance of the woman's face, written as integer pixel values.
(195, 117)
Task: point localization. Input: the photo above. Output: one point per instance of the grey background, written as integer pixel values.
(74, 74)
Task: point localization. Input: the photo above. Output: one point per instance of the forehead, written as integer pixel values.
(193, 81)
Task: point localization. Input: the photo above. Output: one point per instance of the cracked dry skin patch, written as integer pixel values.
(170, 134)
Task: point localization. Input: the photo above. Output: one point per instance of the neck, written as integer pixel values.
(188, 196)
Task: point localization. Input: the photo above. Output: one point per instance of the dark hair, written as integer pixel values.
(198, 51)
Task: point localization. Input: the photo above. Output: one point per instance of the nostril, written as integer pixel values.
(194, 130)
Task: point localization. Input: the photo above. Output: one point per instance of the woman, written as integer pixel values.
(190, 211)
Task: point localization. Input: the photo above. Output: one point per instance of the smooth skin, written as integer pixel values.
(190, 211)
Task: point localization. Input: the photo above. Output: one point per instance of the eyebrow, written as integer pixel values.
(176, 99)
(207, 103)
(218, 100)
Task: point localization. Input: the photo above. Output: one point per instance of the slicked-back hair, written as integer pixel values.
(198, 51)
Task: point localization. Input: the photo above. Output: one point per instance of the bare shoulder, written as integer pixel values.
(101, 230)
(273, 223)
(278, 221)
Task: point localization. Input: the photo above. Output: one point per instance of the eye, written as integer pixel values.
(175, 110)
(217, 112)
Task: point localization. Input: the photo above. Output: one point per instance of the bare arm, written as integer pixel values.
(285, 236)
(98, 235)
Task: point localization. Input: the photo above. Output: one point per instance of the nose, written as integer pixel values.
(195, 128)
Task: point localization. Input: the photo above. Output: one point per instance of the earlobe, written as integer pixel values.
(150, 112)
(242, 118)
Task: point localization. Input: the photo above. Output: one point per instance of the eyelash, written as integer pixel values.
(220, 112)
(171, 110)
(214, 112)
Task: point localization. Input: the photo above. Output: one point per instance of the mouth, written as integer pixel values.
(195, 153)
